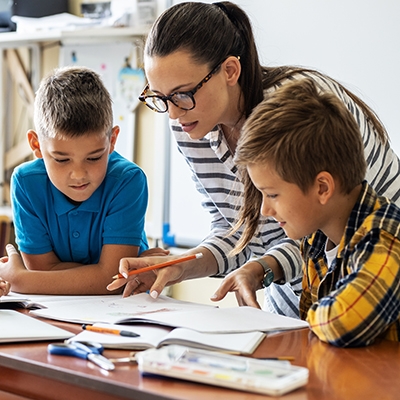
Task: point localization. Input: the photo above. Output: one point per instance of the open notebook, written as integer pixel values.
(18, 327)
(157, 336)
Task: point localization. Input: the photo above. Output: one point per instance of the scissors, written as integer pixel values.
(87, 350)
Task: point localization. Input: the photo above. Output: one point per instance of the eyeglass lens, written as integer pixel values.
(181, 100)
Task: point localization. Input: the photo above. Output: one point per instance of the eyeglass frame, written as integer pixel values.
(189, 93)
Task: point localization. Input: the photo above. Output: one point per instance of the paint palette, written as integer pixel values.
(232, 371)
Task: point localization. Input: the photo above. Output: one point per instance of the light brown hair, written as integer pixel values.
(300, 132)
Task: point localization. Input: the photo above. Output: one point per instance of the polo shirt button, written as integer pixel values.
(76, 234)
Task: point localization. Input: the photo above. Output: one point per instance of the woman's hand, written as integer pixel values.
(245, 281)
(154, 280)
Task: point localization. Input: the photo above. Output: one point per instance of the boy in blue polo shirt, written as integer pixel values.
(80, 206)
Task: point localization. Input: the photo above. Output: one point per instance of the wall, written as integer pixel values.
(354, 42)
(357, 42)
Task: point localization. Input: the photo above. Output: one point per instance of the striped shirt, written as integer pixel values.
(357, 298)
(216, 178)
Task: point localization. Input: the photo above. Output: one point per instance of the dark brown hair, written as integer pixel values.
(211, 33)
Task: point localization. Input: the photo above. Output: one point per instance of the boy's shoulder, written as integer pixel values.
(118, 163)
(374, 214)
(385, 216)
(29, 168)
(119, 167)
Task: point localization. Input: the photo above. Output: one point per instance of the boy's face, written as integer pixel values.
(297, 213)
(76, 166)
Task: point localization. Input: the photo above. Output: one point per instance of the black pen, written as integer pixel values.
(284, 358)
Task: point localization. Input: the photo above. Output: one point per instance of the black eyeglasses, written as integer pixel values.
(183, 100)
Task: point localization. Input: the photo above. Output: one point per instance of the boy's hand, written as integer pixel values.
(4, 287)
(10, 266)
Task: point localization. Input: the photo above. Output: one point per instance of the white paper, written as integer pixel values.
(64, 21)
(171, 312)
(18, 327)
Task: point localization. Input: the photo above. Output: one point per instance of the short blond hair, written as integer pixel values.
(72, 101)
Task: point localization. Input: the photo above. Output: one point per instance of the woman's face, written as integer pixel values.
(178, 72)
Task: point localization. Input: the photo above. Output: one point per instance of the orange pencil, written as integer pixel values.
(109, 330)
(162, 265)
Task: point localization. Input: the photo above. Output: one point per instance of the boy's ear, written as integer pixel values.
(325, 186)
(232, 68)
(113, 138)
(34, 143)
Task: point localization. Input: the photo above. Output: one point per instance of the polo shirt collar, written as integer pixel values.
(62, 205)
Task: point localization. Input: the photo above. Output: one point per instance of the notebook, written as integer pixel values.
(142, 308)
(32, 301)
(157, 336)
(18, 327)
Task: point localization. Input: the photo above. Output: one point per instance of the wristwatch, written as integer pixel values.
(268, 273)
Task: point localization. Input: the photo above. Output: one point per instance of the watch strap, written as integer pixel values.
(268, 277)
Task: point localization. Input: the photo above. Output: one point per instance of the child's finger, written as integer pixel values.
(11, 250)
(4, 287)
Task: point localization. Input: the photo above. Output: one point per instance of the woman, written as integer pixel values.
(203, 69)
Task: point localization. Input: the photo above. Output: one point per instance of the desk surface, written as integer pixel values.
(27, 370)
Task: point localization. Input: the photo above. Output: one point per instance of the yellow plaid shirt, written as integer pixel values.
(357, 298)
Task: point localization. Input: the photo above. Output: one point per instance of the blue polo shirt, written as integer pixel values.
(45, 220)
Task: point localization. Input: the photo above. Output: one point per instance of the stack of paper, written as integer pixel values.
(18, 327)
(32, 301)
(166, 311)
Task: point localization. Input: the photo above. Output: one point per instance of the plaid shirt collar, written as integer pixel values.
(363, 207)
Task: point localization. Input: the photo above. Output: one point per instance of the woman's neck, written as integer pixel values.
(232, 138)
(234, 119)
(232, 135)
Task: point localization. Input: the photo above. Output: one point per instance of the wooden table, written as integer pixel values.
(28, 372)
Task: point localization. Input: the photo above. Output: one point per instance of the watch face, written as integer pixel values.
(268, 278)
